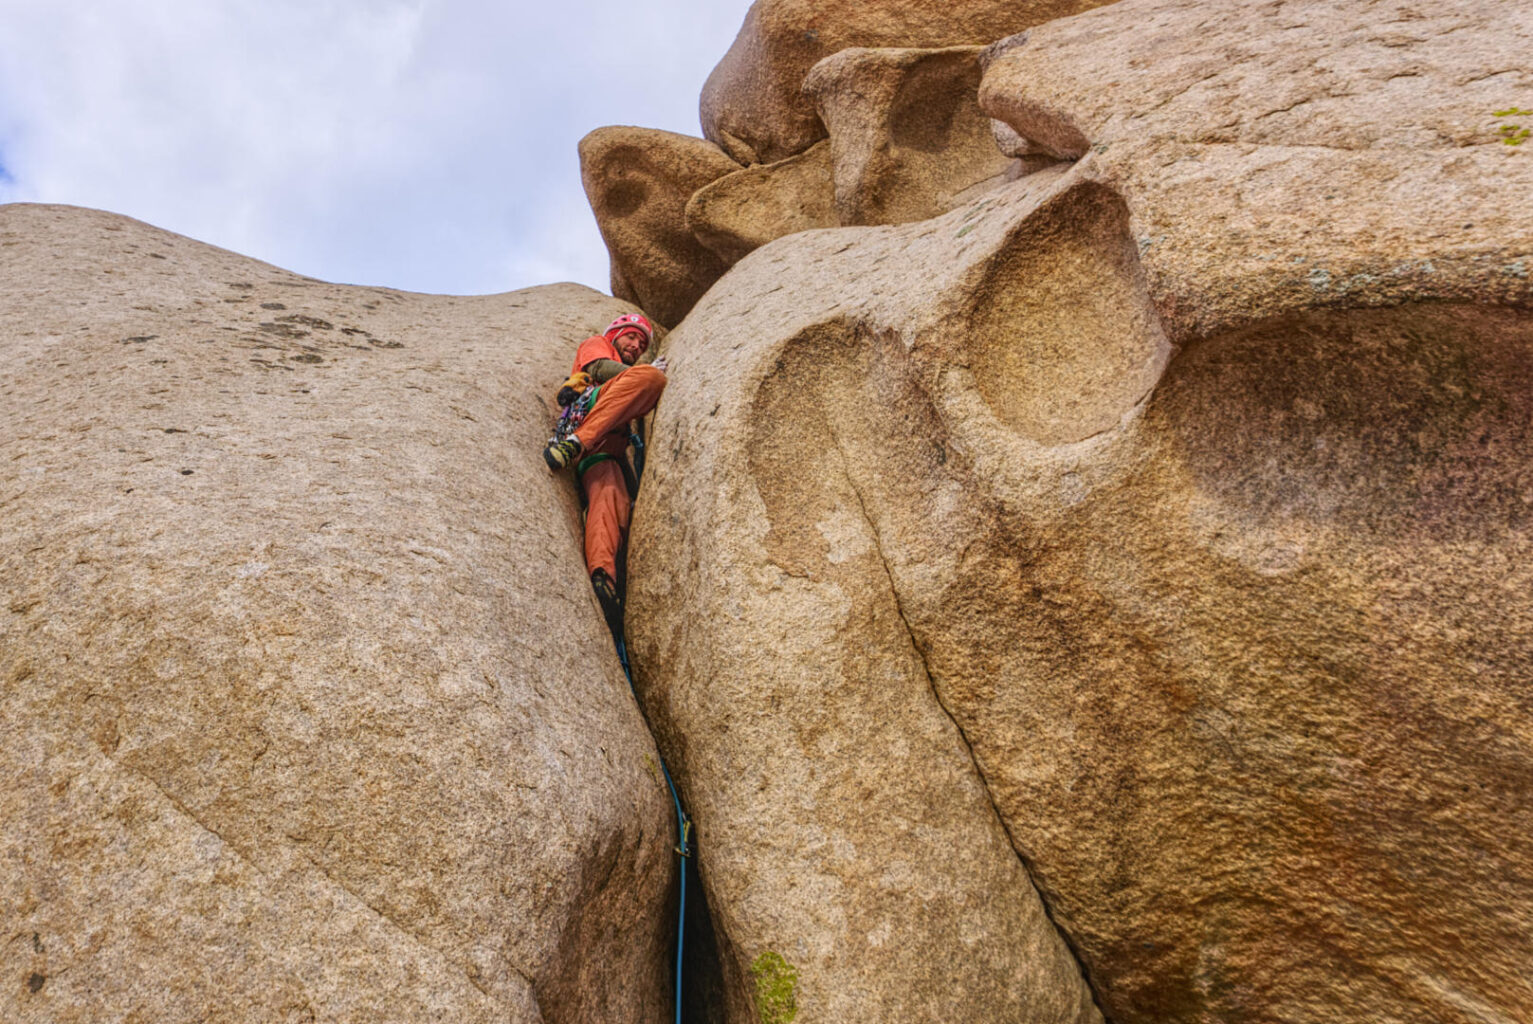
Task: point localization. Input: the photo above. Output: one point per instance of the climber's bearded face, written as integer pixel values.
(629, 345)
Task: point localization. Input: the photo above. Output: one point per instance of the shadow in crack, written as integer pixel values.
(703, 993)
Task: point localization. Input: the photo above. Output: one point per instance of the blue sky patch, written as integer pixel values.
(416, 154)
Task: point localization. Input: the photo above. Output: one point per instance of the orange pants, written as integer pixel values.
(624, 398)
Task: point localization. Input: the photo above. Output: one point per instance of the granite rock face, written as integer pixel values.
(907, 141)
(309, 714)
(1292, 156)
(747, 209)
(1164, 515)
(844, 828)
(751, 105)
(638, 181)
(907, 138)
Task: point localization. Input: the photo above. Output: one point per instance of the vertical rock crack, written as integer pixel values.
(915, 644)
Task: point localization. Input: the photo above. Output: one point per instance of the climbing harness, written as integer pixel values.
(632, 475)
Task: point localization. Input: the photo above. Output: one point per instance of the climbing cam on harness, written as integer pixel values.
(577, 396)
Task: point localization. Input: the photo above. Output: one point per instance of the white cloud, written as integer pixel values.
(425, 144)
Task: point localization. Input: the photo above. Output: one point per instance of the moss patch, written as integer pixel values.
(776, 988)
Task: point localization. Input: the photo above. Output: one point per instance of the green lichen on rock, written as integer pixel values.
(1511, 134)
(654, 769)
(776, 988)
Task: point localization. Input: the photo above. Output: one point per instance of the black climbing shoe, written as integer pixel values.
(560, 454)
(607, 597)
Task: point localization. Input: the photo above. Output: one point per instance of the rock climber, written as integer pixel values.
(607, 390)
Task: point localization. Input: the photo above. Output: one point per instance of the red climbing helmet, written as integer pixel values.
(635, 321)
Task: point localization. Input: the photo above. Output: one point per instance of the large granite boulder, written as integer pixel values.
(747, 209)
(848, 840)
(751, 105)
(1162, 520)
(908, 140)
(308, 711)
(638, 181)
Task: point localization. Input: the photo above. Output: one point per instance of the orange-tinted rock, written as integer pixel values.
(751, 105)
(1190, 481)
(744, 210)
(907, 141)
(638, 181)
(907, 138)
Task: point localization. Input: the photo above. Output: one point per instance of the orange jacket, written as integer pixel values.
(593, 348)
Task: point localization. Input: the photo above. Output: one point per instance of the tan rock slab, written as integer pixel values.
(846, 838)
(1189, 482)
(907, 136)
(747, 209)
(751, 105)
(1292, 156)
(638, 181)
(309, 712)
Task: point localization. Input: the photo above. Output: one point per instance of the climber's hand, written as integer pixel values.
(660, 363)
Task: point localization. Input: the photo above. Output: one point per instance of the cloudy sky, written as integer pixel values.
(420, 144)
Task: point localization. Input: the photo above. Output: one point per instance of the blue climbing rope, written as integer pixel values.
(683, 835)
(683, 823)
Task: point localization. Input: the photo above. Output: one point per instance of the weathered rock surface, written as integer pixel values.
(907, 141)
(308, 713)
(907, 137)
(1168, 514)
(843, 824)
(638, 181)
(751, 105)
(747, 209)
(1291, 155)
